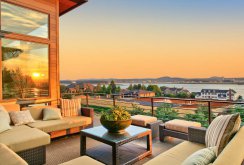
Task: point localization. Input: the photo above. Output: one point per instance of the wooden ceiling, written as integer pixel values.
(67, 5)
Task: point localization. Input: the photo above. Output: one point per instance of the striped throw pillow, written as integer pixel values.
(70, 107)
(221, 130)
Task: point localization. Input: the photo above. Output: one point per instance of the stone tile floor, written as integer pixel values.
(68, 148)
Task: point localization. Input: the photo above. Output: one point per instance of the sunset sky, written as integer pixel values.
(153, 38)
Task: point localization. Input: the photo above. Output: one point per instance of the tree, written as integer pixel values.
(113, 87)
(130, 87)
(104, 89)
(63, 89)
(118, 89)
(155, 89)
(166, 112)
(21, 82)
(98, 88)
(143, 87)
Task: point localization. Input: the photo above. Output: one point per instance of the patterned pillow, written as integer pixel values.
(21, 117)
(221, 130)
(51, 114)
(4, 113)
(70, 107)
(202, 157)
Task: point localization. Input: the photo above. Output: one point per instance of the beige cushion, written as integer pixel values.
(9, 157)
(21, 138)
(51, 114)
(77, 121)
(233, 153)
(181, 125)
(4, 124)
(203, 156)
(21, 117)
(142, 120)
(221, 130)
(37, 111)
(70, 107)
(4, 113)
(177, 154)
(82, 160)
(50, 125)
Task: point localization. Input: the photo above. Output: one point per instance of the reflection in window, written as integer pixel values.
(24, 69)
(23, 21)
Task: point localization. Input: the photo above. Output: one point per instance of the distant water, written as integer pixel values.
(198, 87)
(194, 87)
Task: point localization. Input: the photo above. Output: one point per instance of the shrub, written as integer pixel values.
(166, 112)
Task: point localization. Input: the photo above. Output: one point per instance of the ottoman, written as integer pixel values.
(147, 122)
(176, 128)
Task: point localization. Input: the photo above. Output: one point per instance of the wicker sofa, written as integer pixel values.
(29, 141)
(233, 154)
(65, 126)
(7, 155)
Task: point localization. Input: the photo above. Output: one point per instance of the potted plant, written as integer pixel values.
(116, 120)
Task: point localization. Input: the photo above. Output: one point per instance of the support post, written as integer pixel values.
(152, 105)
(209, 112)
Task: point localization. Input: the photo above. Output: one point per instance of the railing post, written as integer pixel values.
(209, 113)
(87, 103)
(113, 100)
(152, 106)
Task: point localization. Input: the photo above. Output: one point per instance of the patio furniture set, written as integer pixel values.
(25, 144)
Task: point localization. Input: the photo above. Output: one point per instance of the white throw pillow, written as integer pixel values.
(21, 117)
(202, 157)
(4, 113)
(51, 114)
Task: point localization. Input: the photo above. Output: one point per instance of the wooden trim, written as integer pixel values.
(73, 7)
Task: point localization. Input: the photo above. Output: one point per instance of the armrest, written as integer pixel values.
(197, 134)
(88, 112)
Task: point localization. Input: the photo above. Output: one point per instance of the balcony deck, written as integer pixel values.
(67, 148)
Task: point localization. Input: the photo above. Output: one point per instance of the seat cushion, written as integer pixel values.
(177, 154)
(50, 125)
(142, 120)
(181, 125)
(82, 160)
(233, 153)
(7, 155)
(21, 138)
(78, 121)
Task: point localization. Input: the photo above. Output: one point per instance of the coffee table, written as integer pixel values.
(116, 141)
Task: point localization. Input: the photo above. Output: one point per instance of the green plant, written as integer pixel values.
(166, 112)
(117, 113)
(201, 115)
(136, 110)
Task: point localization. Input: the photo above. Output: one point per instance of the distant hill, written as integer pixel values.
(166, 79)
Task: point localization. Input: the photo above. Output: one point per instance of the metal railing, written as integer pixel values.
(152, 103)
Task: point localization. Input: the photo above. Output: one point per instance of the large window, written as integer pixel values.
(25, 61)
(24, 69)
(23, 21)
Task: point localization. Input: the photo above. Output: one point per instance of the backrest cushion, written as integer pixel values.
(51, 114)
(221, 130)
(233, 153)
(21, 117)
(70, 107)
(4, 123)
(4, 114)
(36, 112)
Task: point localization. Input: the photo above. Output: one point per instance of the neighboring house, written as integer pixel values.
(76, 88)
(174, 91)
(217, 94)
(137, 93)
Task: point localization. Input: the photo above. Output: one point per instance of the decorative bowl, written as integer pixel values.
(116, 126)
